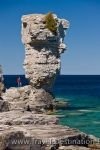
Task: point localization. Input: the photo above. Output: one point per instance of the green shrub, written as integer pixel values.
(51, 23)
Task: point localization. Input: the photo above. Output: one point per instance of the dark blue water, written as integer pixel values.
(11, 80)
(83, 94)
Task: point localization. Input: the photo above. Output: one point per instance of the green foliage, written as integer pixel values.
(51, 23)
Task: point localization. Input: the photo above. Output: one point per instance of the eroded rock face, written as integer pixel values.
(4, 105)
(49, 135)
(42, 49)
(28, 98)
(1, 88)
(17, 117)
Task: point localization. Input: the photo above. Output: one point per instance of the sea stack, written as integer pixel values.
(43, 38)
(24, 121)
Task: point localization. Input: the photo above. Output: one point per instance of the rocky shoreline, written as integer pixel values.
(24, 120)
(31, 130)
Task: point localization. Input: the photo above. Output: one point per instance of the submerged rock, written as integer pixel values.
(61, 104)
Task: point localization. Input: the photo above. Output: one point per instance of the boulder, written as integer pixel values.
(26, 97)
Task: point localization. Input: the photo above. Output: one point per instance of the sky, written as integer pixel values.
(83, 37)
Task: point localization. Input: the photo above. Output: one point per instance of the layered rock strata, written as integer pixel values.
(39, 132)
(42, 53)
(42, 49)
(28, 97)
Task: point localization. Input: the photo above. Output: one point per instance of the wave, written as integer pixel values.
(85, 110)
(76, 114)
(96, 122)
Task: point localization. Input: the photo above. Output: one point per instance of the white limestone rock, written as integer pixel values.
(17, 117)
(28, 98)
(42, 49)
(46, 134)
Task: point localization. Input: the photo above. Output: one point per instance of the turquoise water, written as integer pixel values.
(83, 114)
(83, 94)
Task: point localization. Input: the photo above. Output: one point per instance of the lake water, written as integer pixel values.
(83, 94)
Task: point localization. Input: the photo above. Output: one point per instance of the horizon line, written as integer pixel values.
(60, 74)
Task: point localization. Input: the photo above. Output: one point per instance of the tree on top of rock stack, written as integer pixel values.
(51, 23)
